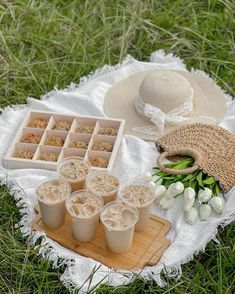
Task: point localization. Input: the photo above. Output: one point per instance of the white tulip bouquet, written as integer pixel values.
(201, 192)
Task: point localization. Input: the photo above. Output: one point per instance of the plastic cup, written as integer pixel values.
(119, 235)
(103, 184)
(74, 170)
(52, 210)
(143, 206)
(85, 215)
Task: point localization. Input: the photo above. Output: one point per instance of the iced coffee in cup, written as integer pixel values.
(84, 209)
(103, 184)
(74, 170)
(51, 195)
(119, 219)
(141, 196)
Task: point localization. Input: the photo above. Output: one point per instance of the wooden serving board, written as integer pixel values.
(147, 247)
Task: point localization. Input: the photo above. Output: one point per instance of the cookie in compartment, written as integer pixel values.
(48, 153)
(99, 159)
(102, 143)
(24, 151)
(84, 125)
(107, 127)
(61, 122)
(79, 141)
(38, 120)
(55, 138)
(31, 136)
(67, 152)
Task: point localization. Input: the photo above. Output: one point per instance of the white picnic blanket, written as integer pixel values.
(137, 156)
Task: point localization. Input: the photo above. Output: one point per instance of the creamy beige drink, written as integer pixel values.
(51, 196)
(103, 184)
(84, 209)
(119, 219)
(74, 170)
(141, 196)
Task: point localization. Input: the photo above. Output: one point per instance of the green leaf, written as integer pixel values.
(182, 165)
(188, 177)
(217, 188)
(209, 181)
(166, 183)
(192, 183)
(199, 179)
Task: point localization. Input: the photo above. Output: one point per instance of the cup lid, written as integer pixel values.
(84, 195)
(52, 181)
(75, 159)
(94, 176)
(137, 191)
(119, 203)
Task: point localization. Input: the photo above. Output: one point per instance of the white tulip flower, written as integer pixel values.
(204, 195)
(159, 192)
(189, 198)
(191, 215)
(174, 190)
(217, 204)
(204, 212)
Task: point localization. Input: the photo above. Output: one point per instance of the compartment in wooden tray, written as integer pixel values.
(78, 128)
(99, 159)
(48, 153)
(24, 151)
(84, 125)
(147, 247)
(107, 128)
(78, 141)
(102, 143)
(67, 152)
(31, 136)
(38, 120)
(21, 154)
(60, 122)
(55, 138)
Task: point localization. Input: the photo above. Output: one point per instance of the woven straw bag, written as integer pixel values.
(212, 147)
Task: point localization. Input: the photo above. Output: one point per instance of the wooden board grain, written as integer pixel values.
(147, 247)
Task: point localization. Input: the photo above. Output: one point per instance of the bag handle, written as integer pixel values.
(182, 151)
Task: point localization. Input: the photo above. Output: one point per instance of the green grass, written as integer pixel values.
(48, 43)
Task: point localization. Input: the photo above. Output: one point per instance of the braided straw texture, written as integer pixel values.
(215, 146)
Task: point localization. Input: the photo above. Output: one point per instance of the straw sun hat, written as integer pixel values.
(156, 102)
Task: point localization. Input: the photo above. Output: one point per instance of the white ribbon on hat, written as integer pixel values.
(161, 119)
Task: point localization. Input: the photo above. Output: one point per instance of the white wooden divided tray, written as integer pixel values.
(10, 161)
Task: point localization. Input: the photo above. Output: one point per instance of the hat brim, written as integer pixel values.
(208, 100)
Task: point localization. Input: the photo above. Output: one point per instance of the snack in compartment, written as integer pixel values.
(141, 196)
(99, 162)
(78, 144)
(27, 154)
(84, 208)
(62, 125)
(108, 131)
(103, 184)
(51, 195)
(103, 146)
(54, 141)
(38, 123)
(119, 219)
(85, 129)
(30, 138)
(75, 170)
(49, 156)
